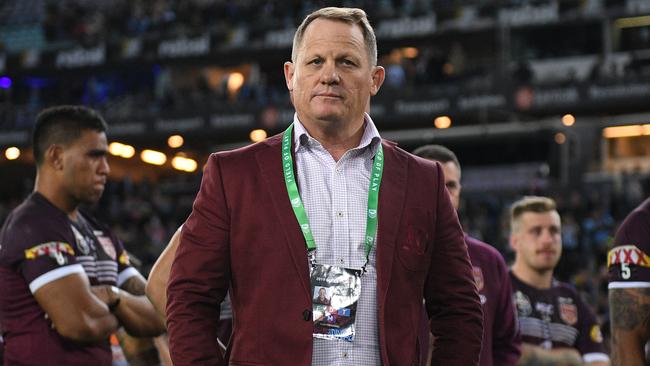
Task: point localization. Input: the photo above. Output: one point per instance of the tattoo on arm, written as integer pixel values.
(134, 285)
(630, 309)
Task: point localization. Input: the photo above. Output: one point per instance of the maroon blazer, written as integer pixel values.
(243, 236)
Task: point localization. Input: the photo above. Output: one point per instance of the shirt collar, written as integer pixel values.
(370, 136)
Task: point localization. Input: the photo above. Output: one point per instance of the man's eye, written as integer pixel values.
(316, 61)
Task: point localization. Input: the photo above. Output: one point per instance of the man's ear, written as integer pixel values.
(514, 241)
(378, 76)
(54, 156)
(289, 71)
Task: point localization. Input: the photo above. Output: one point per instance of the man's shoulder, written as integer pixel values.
(483, 252)
(562, 288)
(249, 152)
(32, 222)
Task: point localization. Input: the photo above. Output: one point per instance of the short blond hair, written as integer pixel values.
(346, 15)
(535, 204)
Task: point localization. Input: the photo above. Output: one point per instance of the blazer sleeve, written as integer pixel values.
(451, 297)
(200, 275)
(506, 345)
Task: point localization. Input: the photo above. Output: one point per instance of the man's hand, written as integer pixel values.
(105, 293)
(538, 356)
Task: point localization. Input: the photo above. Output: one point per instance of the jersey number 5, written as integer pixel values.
(625, 271)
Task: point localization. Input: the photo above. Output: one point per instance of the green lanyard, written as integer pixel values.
(299, 209)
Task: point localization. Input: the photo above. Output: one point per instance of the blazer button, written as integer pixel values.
(306, 315)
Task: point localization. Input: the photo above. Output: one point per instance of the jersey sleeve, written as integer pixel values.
(124, 268)
(41, 251)
(507, 337)
(590, 339)
(628, 261)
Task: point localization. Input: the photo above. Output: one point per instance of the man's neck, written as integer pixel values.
(338, 138)
(531, 277)
(56, 197)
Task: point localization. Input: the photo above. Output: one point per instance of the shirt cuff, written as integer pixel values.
(631, 284)
(595, 357)
(54, 275)
(125, 275)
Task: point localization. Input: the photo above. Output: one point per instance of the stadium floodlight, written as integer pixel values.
(568, 120)
(442, 122)
(119, 149)
(410, 52)
(184, 164)
(626, 131)
(12, 153)
(153, 157)
(175, 141)
(235, 81)
(258, 135)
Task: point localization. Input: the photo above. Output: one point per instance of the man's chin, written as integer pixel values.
(92, 198)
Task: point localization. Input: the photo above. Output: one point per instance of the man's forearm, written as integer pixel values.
(136, 313)
(630, 322)
(532, 355)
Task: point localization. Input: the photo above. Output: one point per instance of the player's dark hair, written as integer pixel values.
(437, 153)
(63, 125)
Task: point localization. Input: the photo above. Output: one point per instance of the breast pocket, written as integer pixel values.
(413, 242)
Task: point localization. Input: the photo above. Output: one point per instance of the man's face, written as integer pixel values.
(538, 241)
(84, 166)
(332, 79)
(452, 182)
(321, 292)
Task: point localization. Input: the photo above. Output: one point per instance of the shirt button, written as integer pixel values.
(338, 170)
(341, 261)
(306, 315)
(345, 355)
(339, 213)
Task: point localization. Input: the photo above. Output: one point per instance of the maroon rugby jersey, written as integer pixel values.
(501, 339)
(40, 244)
(629, 260)
(557, 318)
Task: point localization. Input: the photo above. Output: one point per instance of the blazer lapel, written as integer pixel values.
(270, 164)
(392, 193)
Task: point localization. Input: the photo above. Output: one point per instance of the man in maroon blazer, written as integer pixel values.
(244, 235)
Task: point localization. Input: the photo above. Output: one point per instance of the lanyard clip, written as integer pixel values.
(312, 257)
(364, 269)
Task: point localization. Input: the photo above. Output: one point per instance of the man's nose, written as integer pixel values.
(547, 236)
(104, 168)
(329, 73)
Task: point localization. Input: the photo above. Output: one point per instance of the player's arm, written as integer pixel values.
(451, 297)
(629, 310)
(156, 289)
(506, 342)
(132, 308)
(629, 290)
(200, 274)
(75, 312)
(532, 355)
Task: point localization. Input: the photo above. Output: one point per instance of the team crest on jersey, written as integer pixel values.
(568, 310)
(478, 277)
(523, 304)
(82, 243)
(108, 246)
(53, 249)
(628, 254)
